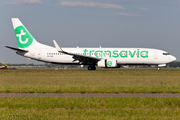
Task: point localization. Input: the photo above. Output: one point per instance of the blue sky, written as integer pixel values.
(92, 23)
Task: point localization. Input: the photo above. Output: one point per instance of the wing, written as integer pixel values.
(85, 60)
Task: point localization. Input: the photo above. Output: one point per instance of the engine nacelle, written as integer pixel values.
(107, 63)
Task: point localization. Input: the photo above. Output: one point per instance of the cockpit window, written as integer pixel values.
(166, 54)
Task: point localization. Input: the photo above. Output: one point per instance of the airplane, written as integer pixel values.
(93, 57)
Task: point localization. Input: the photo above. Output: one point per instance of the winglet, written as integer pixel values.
(57, 47)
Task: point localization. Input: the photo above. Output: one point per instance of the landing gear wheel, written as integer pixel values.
(91, 67)
(94, 68)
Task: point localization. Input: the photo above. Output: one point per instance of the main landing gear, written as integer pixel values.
(91, 67)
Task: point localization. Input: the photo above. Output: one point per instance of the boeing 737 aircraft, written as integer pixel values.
(93, 57)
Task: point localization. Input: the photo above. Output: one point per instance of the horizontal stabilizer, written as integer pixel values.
(17, 49)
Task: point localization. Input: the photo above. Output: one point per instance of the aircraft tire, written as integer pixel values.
(94, 68)
(91, 67)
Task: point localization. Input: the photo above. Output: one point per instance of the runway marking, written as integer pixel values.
(88, 95)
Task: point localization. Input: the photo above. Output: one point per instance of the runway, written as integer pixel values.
(88, 95)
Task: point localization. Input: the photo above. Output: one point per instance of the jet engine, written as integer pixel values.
(108, 63)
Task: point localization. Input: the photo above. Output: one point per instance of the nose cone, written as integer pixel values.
(172, 58)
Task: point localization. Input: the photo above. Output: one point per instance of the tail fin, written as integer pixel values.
(23, 36)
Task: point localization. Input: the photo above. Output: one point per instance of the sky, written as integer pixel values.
(92, 23)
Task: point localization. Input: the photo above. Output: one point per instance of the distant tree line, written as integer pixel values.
(174, 64)
(49, 65)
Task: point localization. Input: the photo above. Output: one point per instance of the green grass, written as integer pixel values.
(84, 81)
(89, 108)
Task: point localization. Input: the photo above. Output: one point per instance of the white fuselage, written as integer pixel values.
(122, 55)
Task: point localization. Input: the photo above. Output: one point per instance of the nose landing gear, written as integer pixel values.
(91, 67)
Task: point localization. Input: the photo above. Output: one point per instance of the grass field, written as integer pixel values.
(89, 108)
(84, 81)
